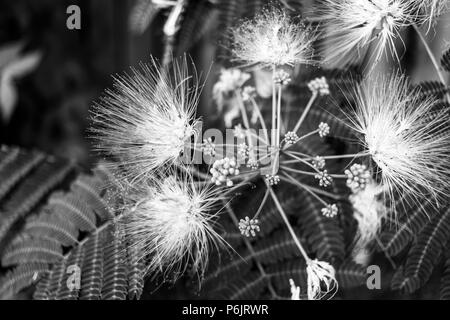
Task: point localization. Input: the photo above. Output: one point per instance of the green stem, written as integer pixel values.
(250, 249)
(305, 112)
(304, 187)
(261, 119)
(288, 224)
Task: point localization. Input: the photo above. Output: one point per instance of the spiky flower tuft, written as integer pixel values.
(272, 38)
(321, 279)
(171, 223)
(148, 119)
(350, 27)
(407, 136)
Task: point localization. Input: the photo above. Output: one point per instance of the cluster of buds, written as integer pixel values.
(324, 178)
(222, 169)
(248, 93)
(357, 177)
(282, 78)
(319, 86)
(249, 227)
(272, 180)
(330, 211)
(291, 138)
(318, 162)
(252, 164)
(239, 132)
(243, 150)
(209, 147)
(324, 129)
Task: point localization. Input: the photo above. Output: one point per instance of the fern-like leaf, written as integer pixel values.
(71, 207)
(136, 270)
(52, 226)
(445, 282)
(425, 254)
(16, 168)
(28, 194)
(32, 250)
(114, 271)
(414, 222)
(445, 60)
(19, 278)
(92, 273)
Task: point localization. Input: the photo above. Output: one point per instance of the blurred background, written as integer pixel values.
(50, 74)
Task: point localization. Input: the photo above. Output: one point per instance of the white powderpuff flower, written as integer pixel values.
(350, 27)
(321, 279)
(368, 211)
(171, 224)
(148, 119)
(272, 38)
(406, 135)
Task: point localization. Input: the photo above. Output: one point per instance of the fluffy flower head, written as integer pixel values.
(148, 119)
(272, 38)
(406, 135)
(171, 224)
(349, 27)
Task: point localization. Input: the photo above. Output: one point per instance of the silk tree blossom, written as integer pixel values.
(148, 119)
(406, 136)
(350, 27)
(321, 279)
(272, 38)
(368, 211)
(171, 223)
